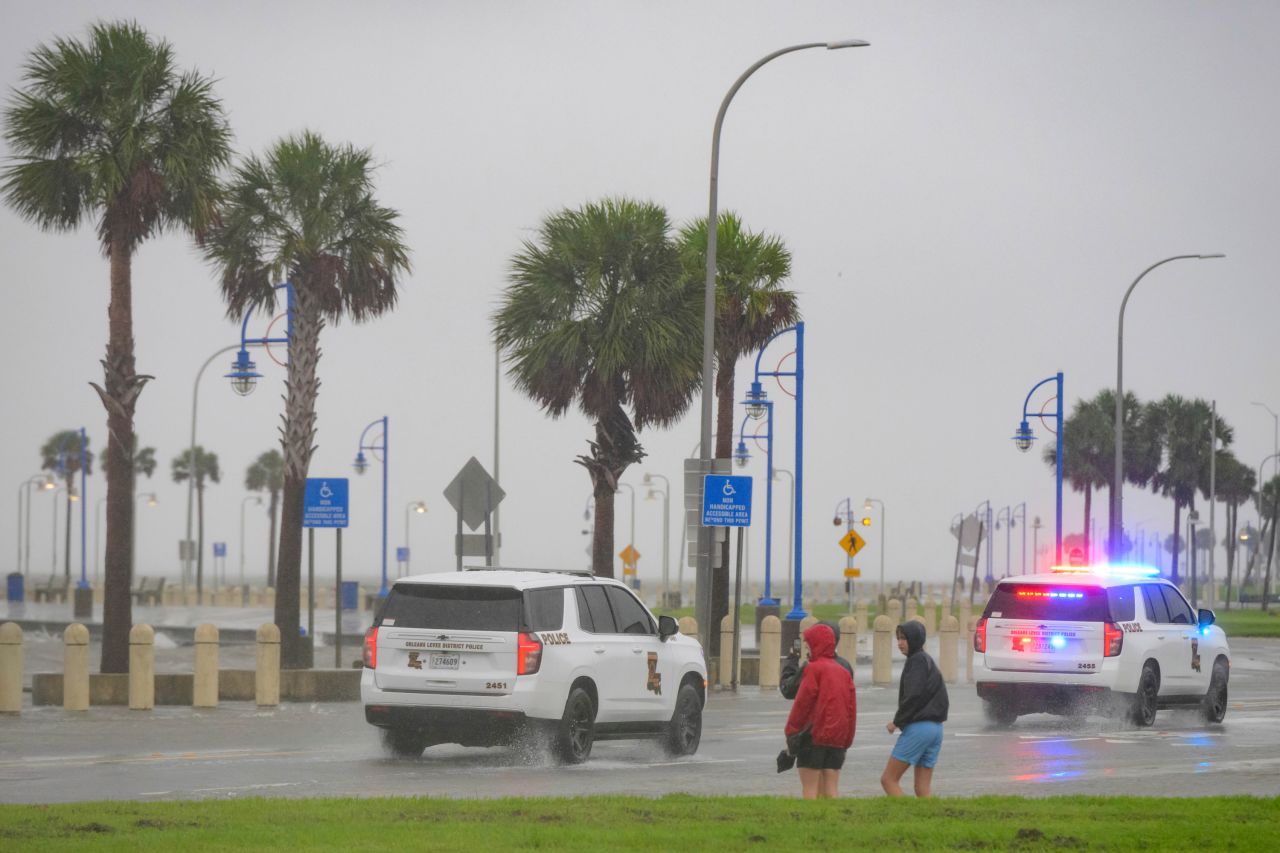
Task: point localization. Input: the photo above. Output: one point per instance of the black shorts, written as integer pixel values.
(821, 758)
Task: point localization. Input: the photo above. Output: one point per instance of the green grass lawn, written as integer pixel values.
(1248, 623)
(677, 822)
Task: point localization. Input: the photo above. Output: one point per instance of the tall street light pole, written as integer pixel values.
(866, 504)
(1116, 534)
(703, 594)
(419, 507)
(1023, 438)
(665, 491)
(24, 540)
(133, 556)
(257, 502)
(631, 536)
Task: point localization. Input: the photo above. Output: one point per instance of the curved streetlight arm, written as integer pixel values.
(1117, 483)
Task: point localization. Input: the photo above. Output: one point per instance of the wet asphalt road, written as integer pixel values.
(298, 750)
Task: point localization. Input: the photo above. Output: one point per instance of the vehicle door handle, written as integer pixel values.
(599, 650)
(637, 650)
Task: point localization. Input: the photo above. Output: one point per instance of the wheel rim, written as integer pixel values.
(580, 729)
(688, 728)
(1148, 696)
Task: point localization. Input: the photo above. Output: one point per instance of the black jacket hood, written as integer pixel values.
(913, 631)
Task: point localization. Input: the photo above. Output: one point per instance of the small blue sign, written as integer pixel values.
(726, 501)
(219, 549)
(402, 555)
(324, 504)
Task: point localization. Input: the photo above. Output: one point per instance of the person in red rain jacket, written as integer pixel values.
(827, 706)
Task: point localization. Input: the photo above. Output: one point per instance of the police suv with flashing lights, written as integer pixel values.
(1107, 639)
(492, 656)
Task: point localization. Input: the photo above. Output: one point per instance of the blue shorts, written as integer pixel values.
(919, 744)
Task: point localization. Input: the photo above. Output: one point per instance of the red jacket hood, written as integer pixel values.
(821, 640)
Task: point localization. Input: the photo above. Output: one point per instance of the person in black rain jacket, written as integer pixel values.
(922, 709)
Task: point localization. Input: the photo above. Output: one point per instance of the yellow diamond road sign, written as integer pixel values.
(852, 543)
(629, 555)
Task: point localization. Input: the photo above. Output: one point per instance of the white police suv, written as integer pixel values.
(492, 656)
(1106, 639)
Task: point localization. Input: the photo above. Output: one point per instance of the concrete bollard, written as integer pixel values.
(189, 598)
(894, 612)
(931, 617)
(266, 681)
(688, 626)
(770, 652)
(255, 597)
(269, 597)
(204, 688)
(142, 668)
(75, 668)
(860, 612)
(913, 607)
(968, 654)
(847, 648)
(882, 651)
(726, 650)
(10, 668)
(949, 648)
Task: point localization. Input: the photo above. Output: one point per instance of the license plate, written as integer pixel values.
(444, 661)
(1035, 648)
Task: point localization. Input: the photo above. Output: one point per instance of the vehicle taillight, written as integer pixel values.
(1112, 639)
(371, 648)
(980, 636)
(528, 654)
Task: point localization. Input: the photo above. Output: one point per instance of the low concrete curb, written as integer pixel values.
(234, 685)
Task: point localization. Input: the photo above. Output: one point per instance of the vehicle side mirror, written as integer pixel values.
(667, 627)
(1205, 617)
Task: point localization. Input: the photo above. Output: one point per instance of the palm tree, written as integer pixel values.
(144, 460)
(267, 475)
(1269, 509)
(597, 314)
(751, 307)
(205, 469)
(61, 455)
(1182, 429)
(1234, 483)
(305, 213)
(1085, 437)
(109, 128)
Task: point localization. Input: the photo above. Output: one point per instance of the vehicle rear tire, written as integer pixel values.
(1214, 706)
(404, 743)
(577, 730)
(999, 714)
(684, 732)
(1143, 712)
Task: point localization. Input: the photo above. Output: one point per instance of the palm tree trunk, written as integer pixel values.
(1271, 552)
(297, 443)
(602, 527)
(1173, 561)
(1231, 551)
(119, 395)
(271, 538)
(66, 539)
(199, 539)
(1088, 517)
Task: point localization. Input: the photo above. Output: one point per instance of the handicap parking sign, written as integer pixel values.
(726, 501)
(324, 503)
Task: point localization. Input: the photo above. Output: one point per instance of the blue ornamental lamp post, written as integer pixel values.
(378, 446)
(1024, 438)
(742, 456)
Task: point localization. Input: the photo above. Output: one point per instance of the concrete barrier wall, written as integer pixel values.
(234, 685)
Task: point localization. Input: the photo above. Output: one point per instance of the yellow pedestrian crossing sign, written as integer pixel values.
(630, 556)
(852, 543)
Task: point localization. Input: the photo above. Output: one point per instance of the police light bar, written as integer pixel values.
(1115, 570)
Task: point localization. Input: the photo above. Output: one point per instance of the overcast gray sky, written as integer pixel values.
(966, 201)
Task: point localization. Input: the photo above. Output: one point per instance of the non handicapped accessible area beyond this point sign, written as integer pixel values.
(726, 501)
(324, 503)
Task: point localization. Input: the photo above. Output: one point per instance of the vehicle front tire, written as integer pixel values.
(684, 732)
(404, 743)
(1143, 711)
(577, 730)
(999, 714)
(1214, 706)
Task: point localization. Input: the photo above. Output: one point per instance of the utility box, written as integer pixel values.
(15, 586)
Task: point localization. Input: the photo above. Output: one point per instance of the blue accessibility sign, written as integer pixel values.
(324, 503)
(219, 549)
(402, 555)
(726, 501)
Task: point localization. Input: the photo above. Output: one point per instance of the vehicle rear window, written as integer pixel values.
(544, 609)
(1046, 601)
(450, 607)
(1120, 598)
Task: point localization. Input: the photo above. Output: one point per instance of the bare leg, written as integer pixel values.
(809, 783)
(892, 776)
(924, 781)
(830, 784)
